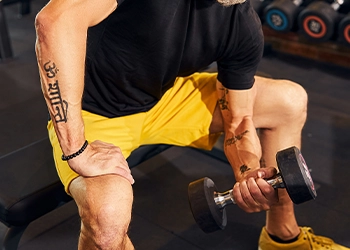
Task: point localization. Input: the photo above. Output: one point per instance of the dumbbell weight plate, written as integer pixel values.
(297, 181)
(317, 21)
(344, 29)
(257, 4)
(206, 213)
(280, 15)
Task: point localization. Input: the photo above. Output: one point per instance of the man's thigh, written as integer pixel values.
(184, 114)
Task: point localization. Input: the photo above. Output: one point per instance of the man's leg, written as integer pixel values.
(104, 202)
(279, 113)
(104, 205)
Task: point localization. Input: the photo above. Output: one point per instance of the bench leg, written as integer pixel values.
(5, 44)
(10, 236)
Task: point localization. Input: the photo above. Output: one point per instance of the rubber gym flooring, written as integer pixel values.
(161, 215)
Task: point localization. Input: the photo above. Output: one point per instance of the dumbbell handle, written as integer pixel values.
(226, 198)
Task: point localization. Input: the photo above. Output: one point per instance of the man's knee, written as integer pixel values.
(105, 226)
(295, 101)
(105, 210)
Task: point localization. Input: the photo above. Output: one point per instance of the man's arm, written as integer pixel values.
(243, 150)
(241, 144)
(61, 45)
(61, 28)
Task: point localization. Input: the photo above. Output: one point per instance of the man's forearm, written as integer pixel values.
(242, 149)
(61, 67)
(241, 144)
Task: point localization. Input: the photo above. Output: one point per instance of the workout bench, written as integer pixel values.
(30, 187)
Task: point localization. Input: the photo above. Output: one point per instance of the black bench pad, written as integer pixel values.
(29, 184)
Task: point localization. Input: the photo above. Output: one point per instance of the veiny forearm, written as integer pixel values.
(242, 148)
(241, 144)
(60, 49)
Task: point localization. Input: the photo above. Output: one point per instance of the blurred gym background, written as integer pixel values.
(305, 41)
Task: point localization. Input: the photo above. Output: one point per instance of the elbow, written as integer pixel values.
(43, 25)
(51, 20)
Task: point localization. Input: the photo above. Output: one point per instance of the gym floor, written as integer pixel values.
(161, 216)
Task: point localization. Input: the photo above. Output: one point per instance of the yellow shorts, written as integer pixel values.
(182, 117)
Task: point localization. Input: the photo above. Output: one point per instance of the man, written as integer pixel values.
(117, 75)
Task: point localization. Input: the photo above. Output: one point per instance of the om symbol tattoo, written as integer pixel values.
(50, 69)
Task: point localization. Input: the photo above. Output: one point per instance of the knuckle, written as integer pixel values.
(245, 197)
(255, 192)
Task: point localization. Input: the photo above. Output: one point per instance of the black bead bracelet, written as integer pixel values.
(81, 150)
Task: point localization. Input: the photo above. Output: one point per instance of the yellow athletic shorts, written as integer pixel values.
(182, 117)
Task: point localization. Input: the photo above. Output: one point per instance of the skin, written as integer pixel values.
(104, 172)
(277, 130)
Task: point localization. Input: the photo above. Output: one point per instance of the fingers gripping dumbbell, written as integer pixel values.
(208, 205)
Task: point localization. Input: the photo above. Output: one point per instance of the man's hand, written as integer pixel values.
(252, 193)
(100, 158)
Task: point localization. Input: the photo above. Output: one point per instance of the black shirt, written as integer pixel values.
(135, 54)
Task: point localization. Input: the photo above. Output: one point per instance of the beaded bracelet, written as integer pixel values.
(81, 150)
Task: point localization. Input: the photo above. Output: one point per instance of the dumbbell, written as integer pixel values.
(318, 20)
(280, 15)
(208, 205)
(344, 30)
(259, 6)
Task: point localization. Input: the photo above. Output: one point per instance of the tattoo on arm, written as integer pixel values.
(56, 101)
(262, 163)
(50, 69)
(244, 168)
(223, 103)
(235, 138)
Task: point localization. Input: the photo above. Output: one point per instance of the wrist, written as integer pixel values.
(71, 143)
(76, 153)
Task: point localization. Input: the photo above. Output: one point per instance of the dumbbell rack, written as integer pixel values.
(295, 44)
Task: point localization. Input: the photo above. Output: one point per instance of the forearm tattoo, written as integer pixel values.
(243, 168)
(223, 103)
(58, 104)
(262, 163)
(235, 138)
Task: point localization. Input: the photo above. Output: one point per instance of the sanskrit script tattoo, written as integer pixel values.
(222, 101)
(58, 104)
(50, 69)
(243, 168)
(235, 138)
